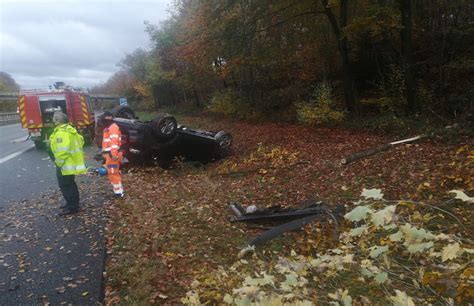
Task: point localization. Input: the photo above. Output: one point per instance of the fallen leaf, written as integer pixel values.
(375, 194)
(357, 214)
(450, 251)
(462, 196)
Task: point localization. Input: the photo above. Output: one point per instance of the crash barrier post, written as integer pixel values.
(9, 118)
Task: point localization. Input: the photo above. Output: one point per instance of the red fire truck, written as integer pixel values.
(36, 108)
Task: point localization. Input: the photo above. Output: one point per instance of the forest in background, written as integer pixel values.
(312, 61)
(8, 84)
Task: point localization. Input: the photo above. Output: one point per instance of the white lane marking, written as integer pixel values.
(21, 139)
(13, 155)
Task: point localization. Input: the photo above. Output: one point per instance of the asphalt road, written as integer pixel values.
(24, 171)
(11, 141)
(45, 258)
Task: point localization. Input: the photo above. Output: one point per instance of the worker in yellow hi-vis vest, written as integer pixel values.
(66, 151)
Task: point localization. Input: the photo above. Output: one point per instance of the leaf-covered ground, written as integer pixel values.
(50, 260)
(171, 236)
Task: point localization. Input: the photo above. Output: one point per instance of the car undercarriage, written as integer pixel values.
(163, 139)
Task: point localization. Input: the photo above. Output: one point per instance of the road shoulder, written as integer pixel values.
(49, 259)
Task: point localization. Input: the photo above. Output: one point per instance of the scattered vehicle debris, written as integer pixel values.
(276, 213)
(163, 139)
(283, 228)
(310, 211)
(97, 171)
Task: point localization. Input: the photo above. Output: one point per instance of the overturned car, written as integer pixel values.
(162, 139)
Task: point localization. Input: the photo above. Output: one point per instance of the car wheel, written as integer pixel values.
(224, 143)
(164, 126)
(123, 111)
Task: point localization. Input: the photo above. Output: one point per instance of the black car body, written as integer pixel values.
(162, 139)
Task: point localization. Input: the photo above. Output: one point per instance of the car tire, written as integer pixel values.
(165, 127)
(224, 143)
(123, 111)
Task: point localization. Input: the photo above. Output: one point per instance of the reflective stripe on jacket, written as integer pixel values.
(66, 145)
(112, 140)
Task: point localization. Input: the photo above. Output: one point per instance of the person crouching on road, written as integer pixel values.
(66, 151)
(111, 142)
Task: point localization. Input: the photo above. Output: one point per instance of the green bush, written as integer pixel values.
(391, 89)
(320, 108)
(229, 103)
(224, 102)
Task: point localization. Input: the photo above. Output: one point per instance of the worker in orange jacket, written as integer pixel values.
(111, 142)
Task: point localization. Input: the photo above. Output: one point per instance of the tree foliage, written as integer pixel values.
(7, 83)
(383, 55)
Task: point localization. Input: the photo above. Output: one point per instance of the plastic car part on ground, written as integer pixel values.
(100, 171)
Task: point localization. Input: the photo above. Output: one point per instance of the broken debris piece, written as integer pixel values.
(299, 217)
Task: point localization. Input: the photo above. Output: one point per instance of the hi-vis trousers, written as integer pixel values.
(113, 172)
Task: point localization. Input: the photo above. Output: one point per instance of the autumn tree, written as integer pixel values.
(338, 27)
(7, 83)
(266, 57)
(407, 53)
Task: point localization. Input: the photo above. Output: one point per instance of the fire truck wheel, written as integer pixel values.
(39, 145)
(123, 111)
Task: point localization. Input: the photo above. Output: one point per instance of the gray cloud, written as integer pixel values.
(78, 42)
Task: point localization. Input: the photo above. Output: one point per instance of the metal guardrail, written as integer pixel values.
(9, 95)
(9, 118)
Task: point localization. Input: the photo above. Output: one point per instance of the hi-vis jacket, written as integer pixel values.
(66, 146)
(112, 140)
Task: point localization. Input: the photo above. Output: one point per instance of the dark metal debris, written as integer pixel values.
(310, 211)
(277, 213)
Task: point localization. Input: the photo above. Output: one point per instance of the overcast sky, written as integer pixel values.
(78, 42)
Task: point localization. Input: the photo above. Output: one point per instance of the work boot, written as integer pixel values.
(68, 212)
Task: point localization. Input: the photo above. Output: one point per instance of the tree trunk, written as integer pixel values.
(185, 98)
(407, 55)
(196, 98)
(348, 79)
(176, 99)
(155, 96)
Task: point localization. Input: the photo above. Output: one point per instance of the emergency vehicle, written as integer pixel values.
(36, 108)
